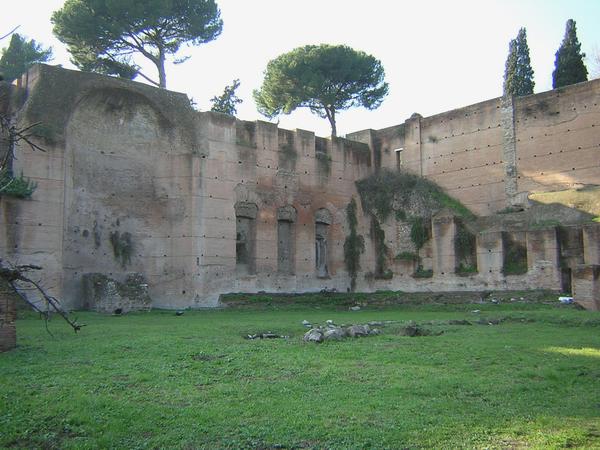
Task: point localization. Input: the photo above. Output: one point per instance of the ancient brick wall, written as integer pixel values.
(135, 181)
(558, 145)
(8, 335)
(493, 154)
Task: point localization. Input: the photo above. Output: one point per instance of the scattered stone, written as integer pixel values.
(314, 335)
(476, 311)
(328, 291)
(512, 299)
(496, 301)
(483, 321)
(179, 313)
(459, 322)
(374, 332)
(358, 330)
(267, 335)
(413, 330)
(329, 322)
(334, 334)
(355, 308)
(306, 323)
(375, 324)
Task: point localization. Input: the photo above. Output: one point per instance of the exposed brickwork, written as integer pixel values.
(8, 334)
(135, 180)
(586, 286)
(509, 149)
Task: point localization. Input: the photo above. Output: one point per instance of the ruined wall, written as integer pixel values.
(558, 145)
(8, 301)
(491, 155)
(134, 181)
(31, 229)
(280, 195)
(116, 190)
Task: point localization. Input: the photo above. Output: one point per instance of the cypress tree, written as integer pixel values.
(518, 75)
(568, 66)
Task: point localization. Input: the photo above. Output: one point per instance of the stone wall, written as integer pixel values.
(492, 154)
(133, 180)
(8, 335)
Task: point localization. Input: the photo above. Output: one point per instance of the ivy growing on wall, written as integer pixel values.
(354, 245)
(419, 232)
(381, 250)
(465, 250)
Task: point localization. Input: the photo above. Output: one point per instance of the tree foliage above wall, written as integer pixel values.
(569, 67)
(324, 78)
(20, 55)
(227, 101)
(518, 75)
(103, 35)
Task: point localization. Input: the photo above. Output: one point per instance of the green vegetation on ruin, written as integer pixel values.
(402, 193)
(354, 244)
(155, 380)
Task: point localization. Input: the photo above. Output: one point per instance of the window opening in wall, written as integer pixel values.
(465, 250)
(323, 219)
(565, 280)
(514, 254)
(245, 236)
(321, 249)
(286, 217)
(398, 153)
(284, 247)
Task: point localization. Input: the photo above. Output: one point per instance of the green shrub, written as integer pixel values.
(19, 187)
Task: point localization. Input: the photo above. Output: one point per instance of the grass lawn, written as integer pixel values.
(155, 380)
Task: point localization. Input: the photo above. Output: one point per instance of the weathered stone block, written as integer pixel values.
(586, 286)
(591, 243)
(489, 253)
(104, 294)
(8, 333)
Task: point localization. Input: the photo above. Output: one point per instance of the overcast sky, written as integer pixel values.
(438, 55)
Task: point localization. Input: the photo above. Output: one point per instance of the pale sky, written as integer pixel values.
(438, 55)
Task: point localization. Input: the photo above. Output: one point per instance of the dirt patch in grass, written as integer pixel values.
(380, 299)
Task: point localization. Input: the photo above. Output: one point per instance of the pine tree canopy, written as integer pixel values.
(227, 101)
(569, 67)
(518, 75)
(103, 35)
(324, 78)
(20, 55)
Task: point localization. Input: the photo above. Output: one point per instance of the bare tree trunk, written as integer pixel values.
(330, 113)
(162, 76)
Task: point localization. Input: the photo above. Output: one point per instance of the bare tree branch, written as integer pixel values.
(13, 274)
(10, 32)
